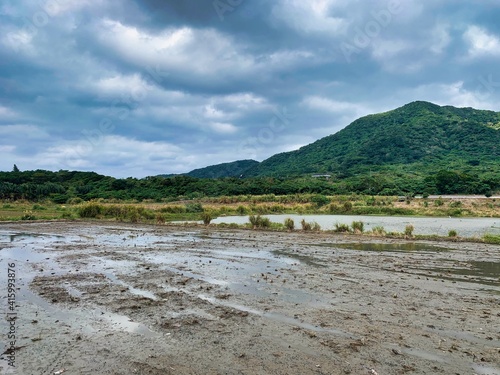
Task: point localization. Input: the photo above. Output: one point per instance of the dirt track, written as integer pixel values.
(124, 299)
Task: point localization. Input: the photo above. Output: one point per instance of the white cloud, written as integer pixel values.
(454, 94)
(481, 43)
(313, 16)
(199, 52)
(221, 127)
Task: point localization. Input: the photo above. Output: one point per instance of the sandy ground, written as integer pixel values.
(103, 298)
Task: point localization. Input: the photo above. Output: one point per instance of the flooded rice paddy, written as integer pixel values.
(160, 300)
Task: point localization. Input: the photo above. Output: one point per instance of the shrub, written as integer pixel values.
(320, 200)
(438, 202)
(305, 225)
(28, 215)
(242, 210)
(315, 227)
(289, 224)
(371, 201)
(194, 207)
(492, 238)
(90, 210)
(75, 200)
(409, 230)
(206, 217)
(347, 206)
(67, 216)
(265, 222)
(160, 218)
(378, 230)
(253, 220)
(358, 226)
(341, 228)
(259, 221)
(452, 233)
(454, 212)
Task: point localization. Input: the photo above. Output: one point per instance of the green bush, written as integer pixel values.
(28, 215)
(358, 226)
(75, 200)
(67, 216)
(160, 218)
(90, 210)
(259, 221)
(59, 198)
(347, 206)
(194, 207)
(378, 230)
(409, 230)
(341, 228)
(206, 217)
(289, 224)
(315, 227)
(492, 238)
(452, 233)
(438, 202)
(320, 200)
(242, 210)
(305, 225)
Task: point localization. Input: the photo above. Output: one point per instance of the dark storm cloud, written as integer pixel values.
(136, 88)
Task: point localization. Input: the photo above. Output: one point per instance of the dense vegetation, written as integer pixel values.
(233, 169)
(418, 137)
(65, 186)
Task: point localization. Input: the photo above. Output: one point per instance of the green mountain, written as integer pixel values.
(233, 169)
(419, 137)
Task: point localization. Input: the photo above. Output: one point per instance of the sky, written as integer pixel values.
(132, 88)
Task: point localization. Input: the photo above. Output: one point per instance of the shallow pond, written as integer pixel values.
(465, 227)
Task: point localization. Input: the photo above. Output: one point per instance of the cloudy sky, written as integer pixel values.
(139, 88)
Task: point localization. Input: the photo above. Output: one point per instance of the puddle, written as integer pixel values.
(481, 369)
(479, 272)
(393, 247)
(280, 318)
(25, 237)
(123, 323)
(304, 259)
(424, 355)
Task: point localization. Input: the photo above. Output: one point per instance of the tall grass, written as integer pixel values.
(492, 238)
(358, 226)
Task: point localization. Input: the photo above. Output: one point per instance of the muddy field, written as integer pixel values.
(122, 299)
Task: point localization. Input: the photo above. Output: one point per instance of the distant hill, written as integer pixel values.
(420, 135)
(233, 169)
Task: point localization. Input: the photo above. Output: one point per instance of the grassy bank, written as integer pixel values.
(251, 205)
(206, 210)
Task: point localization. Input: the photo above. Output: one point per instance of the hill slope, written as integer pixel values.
(420, 134)
(233, 169)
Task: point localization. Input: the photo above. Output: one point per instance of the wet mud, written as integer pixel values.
(127, 299)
